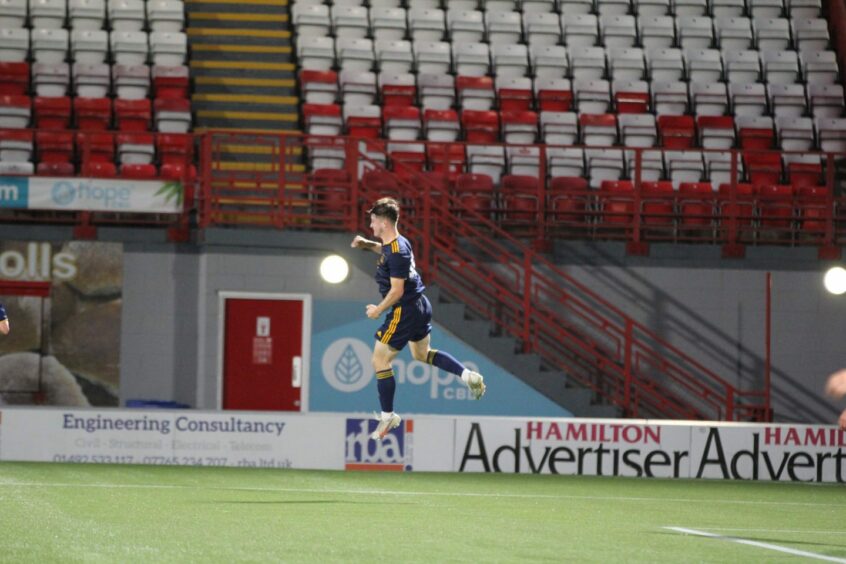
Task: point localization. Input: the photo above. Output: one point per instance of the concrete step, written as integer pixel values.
(451, 315)
(245, 85)
(225, 35)
(237, 6)
(288, 109)
(237, 20)
(233, 52)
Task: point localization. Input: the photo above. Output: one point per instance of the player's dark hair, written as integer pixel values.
(387, 208)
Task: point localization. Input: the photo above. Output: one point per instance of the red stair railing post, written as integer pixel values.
(630, 409)
(528, 345)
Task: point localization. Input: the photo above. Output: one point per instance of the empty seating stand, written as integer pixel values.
(100, 69)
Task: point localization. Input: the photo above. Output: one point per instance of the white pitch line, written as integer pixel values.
(765, 545)
(798, 531)
(417, 493)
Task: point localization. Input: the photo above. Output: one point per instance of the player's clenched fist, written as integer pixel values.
(359, 242)
(836, 385)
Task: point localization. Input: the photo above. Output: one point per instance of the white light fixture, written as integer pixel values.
(835, 280)
(334, 269)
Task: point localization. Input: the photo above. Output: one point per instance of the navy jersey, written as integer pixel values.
(397, 261)
(2, 312)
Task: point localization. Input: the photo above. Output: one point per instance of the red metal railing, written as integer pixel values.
(475, 260)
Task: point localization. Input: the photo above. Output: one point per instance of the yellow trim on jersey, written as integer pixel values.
(393, 326)
(385, 374)
(395, 246)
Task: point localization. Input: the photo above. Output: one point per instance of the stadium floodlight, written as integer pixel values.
(334, 269)
(835, 280)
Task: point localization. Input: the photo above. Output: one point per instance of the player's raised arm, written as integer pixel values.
(365, 244)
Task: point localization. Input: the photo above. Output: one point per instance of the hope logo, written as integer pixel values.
(346, 365)
(63, 193)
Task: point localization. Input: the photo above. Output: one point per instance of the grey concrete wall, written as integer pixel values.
(710, 307)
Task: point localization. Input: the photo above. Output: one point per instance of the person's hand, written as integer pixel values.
(836, 385)
(372, 311)
(842, 421)
(359, 242)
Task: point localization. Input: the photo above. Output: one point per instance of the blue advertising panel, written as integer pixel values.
(342, 379)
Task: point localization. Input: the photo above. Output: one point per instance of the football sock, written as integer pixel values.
(445, 361)
(386, 385)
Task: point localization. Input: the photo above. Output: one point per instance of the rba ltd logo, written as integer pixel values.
(346, 365)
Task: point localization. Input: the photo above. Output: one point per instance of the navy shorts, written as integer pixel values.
(406, 322)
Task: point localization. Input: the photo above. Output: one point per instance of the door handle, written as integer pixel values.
(297, 371)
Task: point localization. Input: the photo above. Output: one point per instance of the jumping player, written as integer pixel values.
(836, 388)
(410, 314)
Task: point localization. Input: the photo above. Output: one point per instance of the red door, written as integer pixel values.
(262, 354)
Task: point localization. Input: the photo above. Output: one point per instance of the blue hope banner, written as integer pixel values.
(342, 378)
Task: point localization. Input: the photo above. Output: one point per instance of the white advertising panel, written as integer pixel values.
(179, 437)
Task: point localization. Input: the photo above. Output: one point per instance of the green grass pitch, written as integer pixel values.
(106, 513)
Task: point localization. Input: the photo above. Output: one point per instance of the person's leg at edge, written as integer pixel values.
(383, 355)
(421, 350)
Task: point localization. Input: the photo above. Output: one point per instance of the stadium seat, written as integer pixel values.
(519, 127)
(388, 23)
(549, 61)
(503, 28)
(616, 201)
(172, 115)
(126, 15)
(168, 48)
(488, 160)
(638, 130)
(401, 122)
(826, 100)
(541, 29)
(132, 82)
(708, 98)
(133, 115)
(475, 92)
(54, 147)
(703, 65)
(579, 30)
(49, 45)
(617, 30)
(587, 63)
(311, 19)
(363, 120)
(780, 67)
(755, 132)
(446, 159)
(14, 45)
(397, 89)
(559, 128)
(657, 205)
(358, 88)
(436, 91)
(170, 81)
(733, 33)
(626, 64)
(810, 34)
(819, 67)
(742, 66)
(471, 59)
(515, 93)
(432, 57)
(465, 26)
(603, 164)
(509, 60)
(475, 192)
(166, 16)
(748, 99)
(350, 21)
(394, 55)
(567, 199)
(92, 114)
(630, 96)
(716, 132)
(14, 78)
(694, 32)
(565, 161)
(128, 47)
(15, 111)
(316, 53)
(832, 134)
(598, 130)
(676, 132)
(669, 98)
(795, 134)
(441, 125)
(591, 96)
(135, 148)
(48, 14)
(553, 94)
(684, 166)
(89, 46)
(353, 53)
(519, 199)
(665, 65)
(523, 160)
(772, 34)
(787, 100)
(50, 80)
(16, 148)
(13, 14)
(91, 81)
(763, 168)
(426, 24)
(480, 126)
(696, 206)
(52, 113)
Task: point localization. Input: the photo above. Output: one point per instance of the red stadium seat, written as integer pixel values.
(775, 205)
(52, 113)
(92, 114)
(631, 102)
(170, 81)
(480, 126)
(95, 147)
(519, 198)
(14, 78)
(568, 199)
(322, 119)
(657, 203)
(813, 208)
(138, 171)
(617, 205)
(475, 92)
(555, 99)
(763, 168)
(55, 169)
(447, 159)
(476, 193)
(695, 207)
(743, 207)
(54, 146)
(133, 115)
(804, 174)
(100, 170)
(676, 132)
